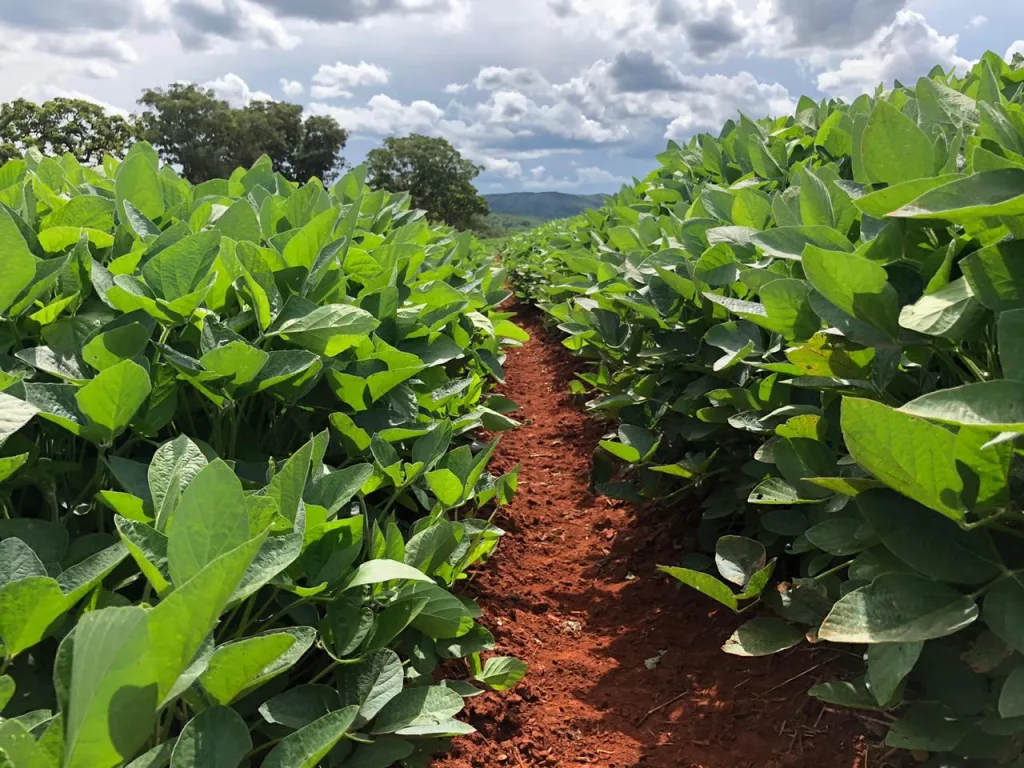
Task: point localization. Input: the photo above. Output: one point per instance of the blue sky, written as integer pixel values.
(571, 95)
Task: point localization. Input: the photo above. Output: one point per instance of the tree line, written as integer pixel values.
(207, 138)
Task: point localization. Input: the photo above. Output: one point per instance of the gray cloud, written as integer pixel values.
(350, 11)
(714, 34)
(641, 72)
(54, 15)
(562, 8)
(829, 23)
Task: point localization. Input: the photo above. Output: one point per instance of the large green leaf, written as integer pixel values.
(898, 608)
(894, 148)
(113, 398)
(211, 520)
(996, 405)
(307, 747)
(857, 286)
(215, 738)
(908, 454)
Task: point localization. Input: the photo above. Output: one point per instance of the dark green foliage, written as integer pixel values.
(73, 126)
(809, 327)
(436, 176)
(209, 139)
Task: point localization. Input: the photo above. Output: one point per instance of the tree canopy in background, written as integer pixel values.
(437, 177)
(209, 138)
(60, 126)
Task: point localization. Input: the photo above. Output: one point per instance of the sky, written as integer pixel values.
(566, 95)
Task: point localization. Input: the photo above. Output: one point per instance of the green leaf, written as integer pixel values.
(114, 696)
(244, 664)
(1011, 352)
(996, 275)
(791, 242)
(80, 578)
(443, 615)
(738, 558)
(19, 264)
(417, 707)
(137, 182)
(174, 466)
(446, 486)
(7, 690)
(763, 637)
(28, 608)
(14, 414)
(307, 747)
(705, 584)
(336, 489)
(948, 313)
(980, 196)
(371, 684)
(898, 608)
(211, 520)
(930, 543)
(381, 571)
(1003, 612)
(215, 738)
(888, 665)
(996, 405)
(894, 149)
(300, 706)
(18, 561)
(115, 396)
(182, 621)
(501, 673)
(857, 286)
(906, 453)
(326, 330)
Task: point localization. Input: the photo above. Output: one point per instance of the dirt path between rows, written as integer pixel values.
(574, 592)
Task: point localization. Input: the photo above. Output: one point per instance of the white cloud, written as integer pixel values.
(235, 91)
(385, 116)
(40, 92)
(1014, 49)
(292, 88)
(333, 81)
(99, 70)
(904, 50)
(499, 166)
(977, 21)
(590, 176)
(454, 88)
(88, 45)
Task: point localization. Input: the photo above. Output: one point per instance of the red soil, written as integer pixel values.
(574, 592)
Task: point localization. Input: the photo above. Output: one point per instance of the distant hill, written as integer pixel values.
(543, 205)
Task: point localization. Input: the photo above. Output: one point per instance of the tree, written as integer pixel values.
(60, 126)
(434, 173)
(208, 138)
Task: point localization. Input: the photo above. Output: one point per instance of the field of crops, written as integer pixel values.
(811, 329)
(239, 469)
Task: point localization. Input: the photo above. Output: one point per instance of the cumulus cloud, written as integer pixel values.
(205, 24)
(88, 45)
(292, 88)
(454, 88)
(235, 91)
(590, 176)
(977, 21)
(520, 79)
(353, 11)
(903, 50)
(333, 81)
(1014, 49)
(40, 92)
(833, 23)
(384, 116)
(642, 71)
